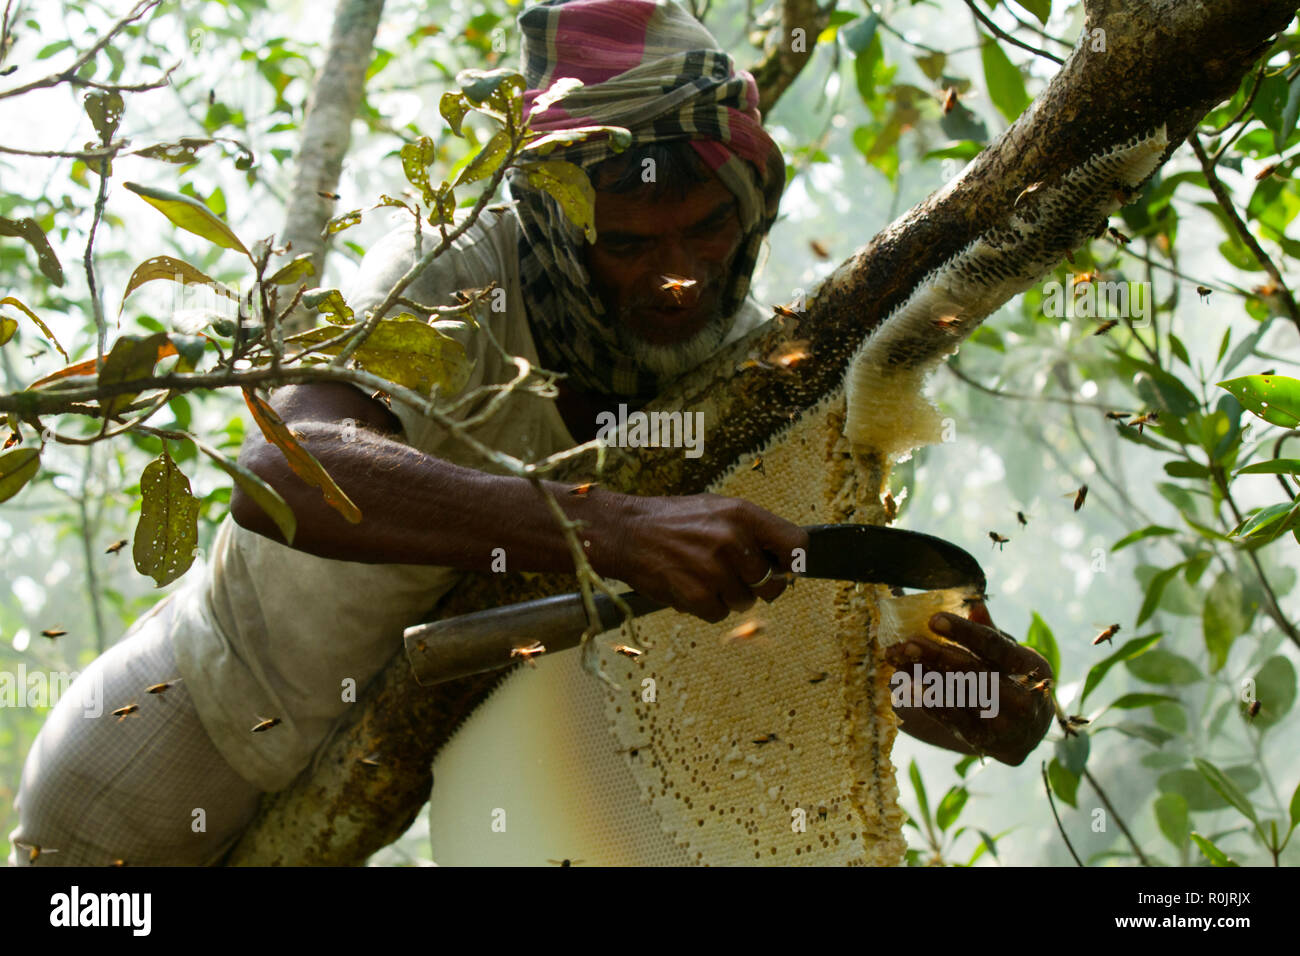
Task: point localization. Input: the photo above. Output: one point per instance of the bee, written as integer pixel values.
(819, 249)
(53, 632)
(1253, 709)
(790, 354)
(818, 677)
(212, 97)
(1105, 326)
(1150, 418)
(1118, 416)
(1028, 190)
(1204, 292)
(765, 739)
(1079, 496)
(34, 851)
(371, 760)
(758, 465)
(326, 195)
(581, 490)
(115, 547)
(382, 396)
(122, 713)
(1270, 288)
(1044, 685)
(1068, 728)
(1118, 236)
(1083, 277)
(1266, 172)
(675, 286)
(528, 651)
(998, 539)
(564, 862)
(785, 312)
(1106, 635)
(745, 631)
(118, 862)
(950, 100)
(627, 651)
(1024, 522)
(975, 599)
(162, 688)
(14, 439)
(948, 323)
(821, 813)
(890, 506)
(1077, 720)
(264, 724)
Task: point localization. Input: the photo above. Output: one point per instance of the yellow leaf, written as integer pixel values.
(10, 300)
(569, 186)
(16, 469)
(165, 267)
(292, 271)
(300, 460)
(191, 215)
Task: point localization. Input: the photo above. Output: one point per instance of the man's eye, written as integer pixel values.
(620, 247)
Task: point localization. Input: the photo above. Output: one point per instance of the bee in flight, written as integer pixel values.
(122, 713)
(162, 687)
(264, 724)
(528, 651)
(115, 547)
(998, 539)
(627, 650)
(1106, 635)
(53, 632)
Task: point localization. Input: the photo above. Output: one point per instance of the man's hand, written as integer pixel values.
(703, 554)
(1023, 677)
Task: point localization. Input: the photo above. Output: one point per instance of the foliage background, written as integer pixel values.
(866, 136)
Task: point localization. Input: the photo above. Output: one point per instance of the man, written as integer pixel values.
(272, 643)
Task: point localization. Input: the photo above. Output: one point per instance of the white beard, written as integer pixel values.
(668, 362)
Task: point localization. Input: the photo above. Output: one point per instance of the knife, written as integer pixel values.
(488, 640)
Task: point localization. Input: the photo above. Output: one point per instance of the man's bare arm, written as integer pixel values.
(697, 553)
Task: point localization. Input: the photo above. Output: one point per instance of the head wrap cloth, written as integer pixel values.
(650, 67)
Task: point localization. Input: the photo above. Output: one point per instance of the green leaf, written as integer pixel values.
(1275, 466)
(17, 467)
(1134, 701)
(498, 93)
(1064, 783)
(868, 52)
(30, 231)
(1186, 469)
(1156, 736)
(1072, 752)
(294, 270)
(191, 215)
(416, 158)
(1225, 788)
(168, 531)
(1196, 789)
(182, 152)
(620, 138)
(1269, 522)
(1154, 590)
(1295, 807)
(1210, 851)
(176, 270)
(1223, 618)
(1130, 649)
(1042, 9)
(454, 107)
(1275, 689)
(1150, 531)
(1006, 85)
(343, 221)
(569, 186)
(132, 357)
(1159, 666)
(915, 773)
(950, 807)
(105, 110)
(1274, 398)
(267, 498)
(45, 329)
(331, 303)
(1172, 818)
(487, 161)
(1041, 639)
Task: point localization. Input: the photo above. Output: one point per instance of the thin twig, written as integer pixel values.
(1052, 803)
(1003, 34)
(1225, 203)
(1110, 808)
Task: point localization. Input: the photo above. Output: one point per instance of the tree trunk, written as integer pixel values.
(326, 133)
(975, 243)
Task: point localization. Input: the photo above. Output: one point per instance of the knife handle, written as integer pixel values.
(483, 641)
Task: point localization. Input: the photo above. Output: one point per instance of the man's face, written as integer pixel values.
(661, 266)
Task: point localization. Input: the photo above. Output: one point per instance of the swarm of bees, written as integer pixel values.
(527, 652)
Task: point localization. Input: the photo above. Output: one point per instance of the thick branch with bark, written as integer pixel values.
(1167, 63)
(326, 133)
